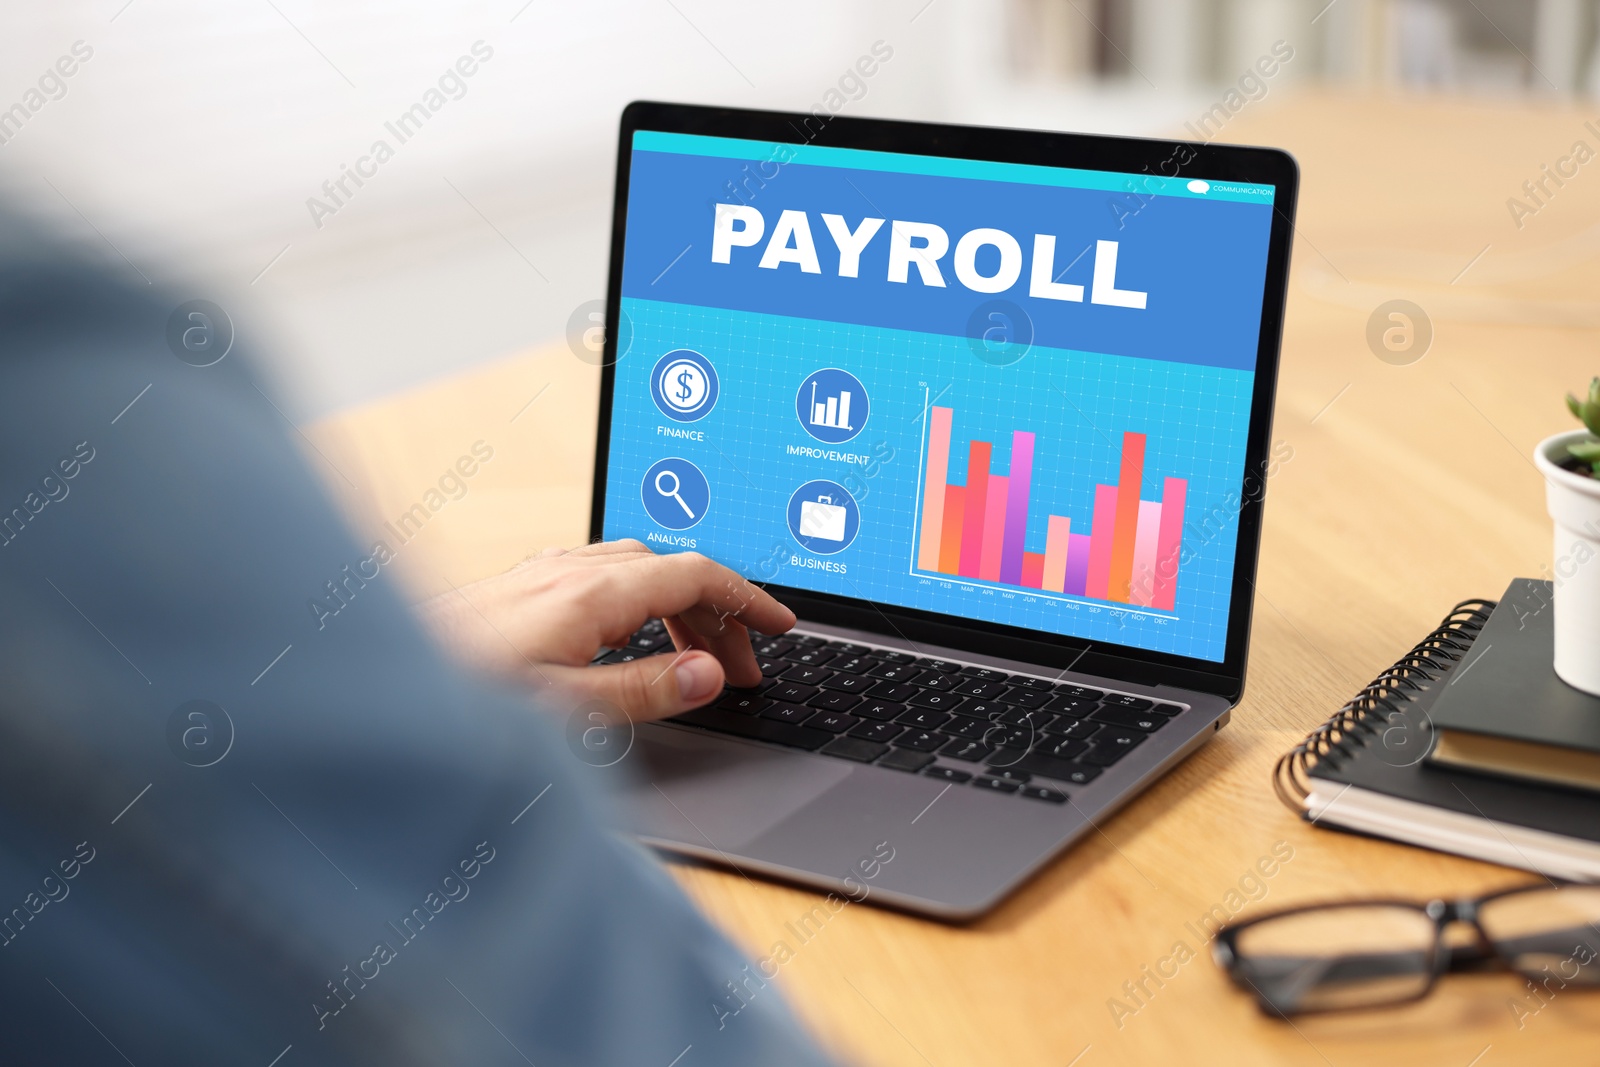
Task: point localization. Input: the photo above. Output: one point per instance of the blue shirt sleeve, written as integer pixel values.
(234, 828)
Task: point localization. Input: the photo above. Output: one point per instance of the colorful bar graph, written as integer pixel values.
(1017, 507)
(1142, 586)
(1105, 520)
(1122, 539)
(979, 531)
(977, 495)
(938, 469)
(994, 526)
(1169, 541)
(1058, 537)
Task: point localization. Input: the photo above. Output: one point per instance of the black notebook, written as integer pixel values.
(1366, 770)
(1506, 712)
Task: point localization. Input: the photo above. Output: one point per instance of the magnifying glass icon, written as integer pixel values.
(661, 478)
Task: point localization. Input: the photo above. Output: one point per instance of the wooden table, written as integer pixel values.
(1410, 488)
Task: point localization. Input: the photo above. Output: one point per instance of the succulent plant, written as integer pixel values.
(1585, 455)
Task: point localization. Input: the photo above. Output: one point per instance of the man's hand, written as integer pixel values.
(543, 621)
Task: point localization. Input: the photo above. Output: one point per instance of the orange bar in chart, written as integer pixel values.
(1056, 540)
(950, 535)
(1122, 537)
(977, 495)
(938, 470)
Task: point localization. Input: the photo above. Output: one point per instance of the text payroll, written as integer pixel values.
(919, 245)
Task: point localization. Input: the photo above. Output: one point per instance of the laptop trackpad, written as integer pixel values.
(715, 792)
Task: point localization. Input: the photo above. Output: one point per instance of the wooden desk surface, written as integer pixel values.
(1410, 488)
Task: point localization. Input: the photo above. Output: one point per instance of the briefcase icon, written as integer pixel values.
(822, 518)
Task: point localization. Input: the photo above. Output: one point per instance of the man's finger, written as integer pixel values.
(725, 637)
(652, 687)
(657, 586)
(625, 546)
(684, 636)
(722, 636)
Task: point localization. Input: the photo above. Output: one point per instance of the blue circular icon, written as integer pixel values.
(675, 493)
(823, 517)
(684, 385)
(832, 405)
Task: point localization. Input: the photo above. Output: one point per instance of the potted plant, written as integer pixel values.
(1570, 463)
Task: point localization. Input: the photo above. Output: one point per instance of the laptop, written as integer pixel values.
(989, 409)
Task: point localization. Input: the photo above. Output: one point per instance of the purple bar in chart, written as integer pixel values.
(1077, 563)
(1017, 506)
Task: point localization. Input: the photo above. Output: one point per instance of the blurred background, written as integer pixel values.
(194, 142)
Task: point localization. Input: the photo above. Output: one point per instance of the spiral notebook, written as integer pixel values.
(1365, 771)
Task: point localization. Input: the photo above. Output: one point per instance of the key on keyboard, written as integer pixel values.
(897, 710)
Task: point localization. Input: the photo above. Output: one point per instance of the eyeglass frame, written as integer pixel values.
(1481, 957)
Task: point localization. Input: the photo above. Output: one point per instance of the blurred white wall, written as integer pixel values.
(186, 146)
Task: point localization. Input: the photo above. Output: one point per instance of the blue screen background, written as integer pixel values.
(1179, 371)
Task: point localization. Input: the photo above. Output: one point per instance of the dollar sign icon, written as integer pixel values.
(684, 385)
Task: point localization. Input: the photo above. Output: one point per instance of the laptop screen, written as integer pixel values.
(994, 391)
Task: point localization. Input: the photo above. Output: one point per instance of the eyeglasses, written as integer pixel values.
(1369, 954)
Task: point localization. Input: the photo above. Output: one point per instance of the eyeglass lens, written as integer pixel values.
(1364, 955)
(1545, 932)
(1344, 956)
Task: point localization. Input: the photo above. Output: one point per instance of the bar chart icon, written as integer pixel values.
(834, 413)
(832, 405)
(1127, 553)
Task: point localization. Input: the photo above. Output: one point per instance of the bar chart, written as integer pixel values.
(1126, 553)
(833, 412)
(832, 405)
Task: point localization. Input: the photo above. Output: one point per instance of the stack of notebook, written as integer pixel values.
(1468, 744)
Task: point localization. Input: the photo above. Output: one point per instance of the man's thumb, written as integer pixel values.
(651, 687)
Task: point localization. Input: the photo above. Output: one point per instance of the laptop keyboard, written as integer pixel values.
(952, 721)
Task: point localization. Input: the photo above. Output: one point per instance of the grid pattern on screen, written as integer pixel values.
(755, 453)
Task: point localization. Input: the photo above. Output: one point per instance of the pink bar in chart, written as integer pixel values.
(1100, 533)
(1057, 537)
(994, 525)
(1169, 543)
(933, 488)
(1141, 585)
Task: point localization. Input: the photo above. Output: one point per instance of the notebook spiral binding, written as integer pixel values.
(1365, 714)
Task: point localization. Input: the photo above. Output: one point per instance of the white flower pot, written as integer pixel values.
(1574, 502)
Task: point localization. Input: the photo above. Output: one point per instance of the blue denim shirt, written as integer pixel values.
(235, 831)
